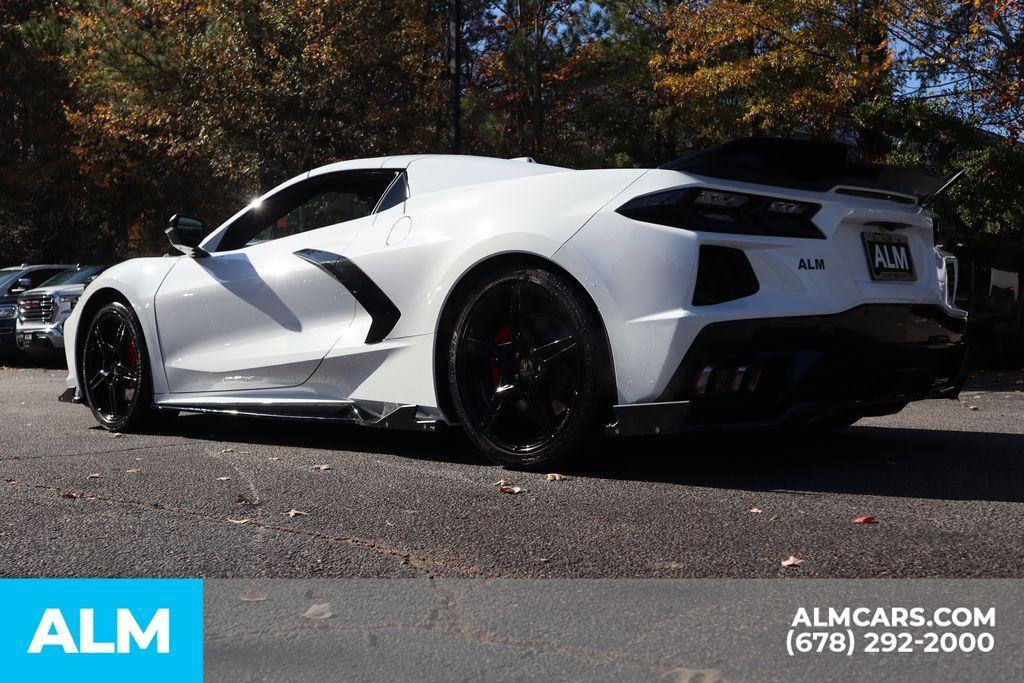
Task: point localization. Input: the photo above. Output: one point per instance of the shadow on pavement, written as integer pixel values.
(20, 361)
(447, 445)
(995, 380)
(917, 463)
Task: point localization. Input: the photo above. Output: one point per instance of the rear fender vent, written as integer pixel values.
(723, 274)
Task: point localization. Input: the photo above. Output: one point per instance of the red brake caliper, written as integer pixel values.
(133, 357)
(503, 336)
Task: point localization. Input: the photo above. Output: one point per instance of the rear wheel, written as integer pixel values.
(525, 365)
(114, 369)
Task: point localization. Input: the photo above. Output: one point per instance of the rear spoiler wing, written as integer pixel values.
(814, 165)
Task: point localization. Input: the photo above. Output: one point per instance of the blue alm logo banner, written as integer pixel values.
(102, 629)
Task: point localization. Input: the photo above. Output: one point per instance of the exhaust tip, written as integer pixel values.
(703, 378)
(712, 380)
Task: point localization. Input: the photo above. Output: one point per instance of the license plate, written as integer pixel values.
(889, 257)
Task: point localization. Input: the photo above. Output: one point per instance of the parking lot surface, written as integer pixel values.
(234, 497)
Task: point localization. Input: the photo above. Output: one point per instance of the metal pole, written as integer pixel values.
(455, 73)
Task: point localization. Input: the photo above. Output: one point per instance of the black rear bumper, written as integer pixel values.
(869, 360)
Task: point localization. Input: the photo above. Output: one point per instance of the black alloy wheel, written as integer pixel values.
(113, 372)
(523, 369)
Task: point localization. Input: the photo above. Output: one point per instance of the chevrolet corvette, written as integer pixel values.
(763, 283)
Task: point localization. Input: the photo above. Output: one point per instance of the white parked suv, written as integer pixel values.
(43, 310)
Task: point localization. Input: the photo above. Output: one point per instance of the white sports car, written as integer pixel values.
(763, 282)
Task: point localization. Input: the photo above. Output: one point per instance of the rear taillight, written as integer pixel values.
(737, 213)
(951, 270)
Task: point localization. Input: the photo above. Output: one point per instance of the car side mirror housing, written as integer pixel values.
(185, 233)
(24, 284)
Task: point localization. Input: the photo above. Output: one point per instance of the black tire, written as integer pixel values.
(114, 369)
(526, 369)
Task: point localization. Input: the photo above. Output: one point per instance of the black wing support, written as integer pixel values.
(950, 180)
(382, 310)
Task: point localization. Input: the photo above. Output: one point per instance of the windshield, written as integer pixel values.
(74, 277)
(7, 275)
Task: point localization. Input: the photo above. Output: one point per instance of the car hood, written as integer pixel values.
(62, 290)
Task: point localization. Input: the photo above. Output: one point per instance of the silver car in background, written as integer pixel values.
(43, 310)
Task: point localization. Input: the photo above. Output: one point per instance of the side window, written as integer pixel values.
(326, 208)
(396, 194)
(313, 203)
(38, 277)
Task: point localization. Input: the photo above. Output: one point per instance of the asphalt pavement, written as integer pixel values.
(210, 496)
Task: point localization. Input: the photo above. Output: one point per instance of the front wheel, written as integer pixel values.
(114, 372)
(526, 365)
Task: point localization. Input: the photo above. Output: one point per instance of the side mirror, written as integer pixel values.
(185, 234)
(23, 284)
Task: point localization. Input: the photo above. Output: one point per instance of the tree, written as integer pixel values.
(195, 107)
(525, 52)
(39, 219)
(968, 54)
(611, 109)
(117, 113)
(738, 67)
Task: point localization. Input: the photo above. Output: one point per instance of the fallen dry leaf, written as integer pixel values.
(773, 518)
(133, 470)
(223, 478)
(318, 610)
(557, 477)
(296, 513)
(864, 519)
(238, 521)
(510, 489)
(792, 561)
(95, 475)
(755, 510)
(253, 594)
(322, 467)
